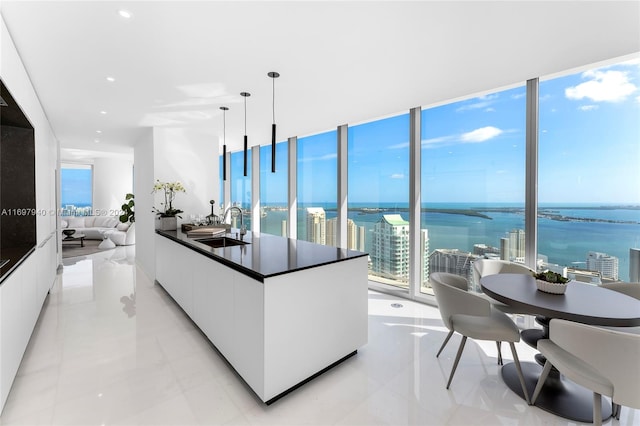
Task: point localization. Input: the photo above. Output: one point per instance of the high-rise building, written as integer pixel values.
(361, 238)
(424, 256)
(483, 249)
(634, 265)
(453, 261)
(603, 263)
(316, 225)
(516, 245)
(390, 248)
(504, 248)
(352, 234)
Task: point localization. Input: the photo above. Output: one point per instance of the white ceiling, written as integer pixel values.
(176, 62)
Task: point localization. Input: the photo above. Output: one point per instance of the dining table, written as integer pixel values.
(581, 302)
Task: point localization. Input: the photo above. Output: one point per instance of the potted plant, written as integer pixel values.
(551, 282)
(167, 216)
(128, 213)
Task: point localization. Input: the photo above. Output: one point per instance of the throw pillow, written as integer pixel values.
(122, 227)
(76, 222)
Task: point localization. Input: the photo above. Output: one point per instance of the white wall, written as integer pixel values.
(188, 155)
(143, 183)
(112, 180)
(23, 292)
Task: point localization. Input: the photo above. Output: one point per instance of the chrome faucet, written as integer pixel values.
(243, 229)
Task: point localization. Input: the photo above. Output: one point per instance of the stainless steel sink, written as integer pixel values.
(216, 242)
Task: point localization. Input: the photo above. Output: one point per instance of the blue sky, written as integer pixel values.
(75, 186)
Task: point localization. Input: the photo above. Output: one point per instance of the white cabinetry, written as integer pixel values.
(275, 333)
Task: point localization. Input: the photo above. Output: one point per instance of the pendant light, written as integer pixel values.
(273, 76)
(224, 142)
(246, 139)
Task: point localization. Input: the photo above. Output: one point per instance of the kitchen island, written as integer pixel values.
(281, 311)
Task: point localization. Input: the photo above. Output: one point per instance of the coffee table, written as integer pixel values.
(75, 237)
(584, 303)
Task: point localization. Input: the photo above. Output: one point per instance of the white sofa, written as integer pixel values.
(94, 227)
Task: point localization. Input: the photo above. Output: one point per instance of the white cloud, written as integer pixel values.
(399, 145)
(490, 110)
(588, 107)
(437, 141)
(480, 135)
(320, 158)
(397, 176)
(479, 103)
(602, 86)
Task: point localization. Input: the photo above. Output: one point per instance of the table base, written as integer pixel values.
(558, 395)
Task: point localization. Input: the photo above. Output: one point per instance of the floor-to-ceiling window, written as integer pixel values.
(76, 189)
(240, 189)
(273, 190)
(589, 172)
(317, 185)
(473, 183)
(378, 186)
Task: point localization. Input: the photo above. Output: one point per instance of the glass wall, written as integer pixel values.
(241, 189)
(317, 185)
(378, 185)
(589, 174)
(473, 183)
(76, 189)
(274, 190)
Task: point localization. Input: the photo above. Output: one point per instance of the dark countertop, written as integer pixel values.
(15, 256)
(266, 255)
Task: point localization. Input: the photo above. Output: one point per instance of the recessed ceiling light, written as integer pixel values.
(111, 79)
(103, 112)
(98, 131)
(96, 141)
(125, 13)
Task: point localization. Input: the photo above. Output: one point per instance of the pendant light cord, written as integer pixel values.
(273, 100)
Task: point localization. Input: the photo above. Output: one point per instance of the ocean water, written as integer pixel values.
(563, 242)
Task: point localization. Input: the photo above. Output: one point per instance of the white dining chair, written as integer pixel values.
(630, 289)
(472, 316)
(483, 267)
(600, 359)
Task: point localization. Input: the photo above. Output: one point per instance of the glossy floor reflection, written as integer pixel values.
(111, 347)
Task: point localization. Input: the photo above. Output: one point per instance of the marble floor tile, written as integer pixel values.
(112, 348)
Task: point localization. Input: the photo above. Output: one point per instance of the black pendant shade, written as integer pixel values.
(273, 76)
(224, 142)
(246, 138)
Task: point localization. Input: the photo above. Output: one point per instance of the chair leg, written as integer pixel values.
(455, 363)
(519, 370)
(597, 409)
(499, 344)
(446, 340)
(615, 410)
(543, 377)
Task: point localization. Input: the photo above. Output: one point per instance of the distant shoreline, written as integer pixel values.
(550, 213)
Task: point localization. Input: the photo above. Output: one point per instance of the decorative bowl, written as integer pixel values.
(68, 232)
(552, 288)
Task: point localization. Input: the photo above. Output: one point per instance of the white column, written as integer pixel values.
(415, 236)
(293, 188)
(341, 225)
(255, 188)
